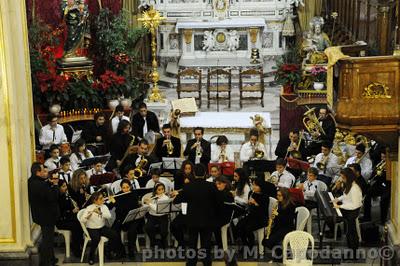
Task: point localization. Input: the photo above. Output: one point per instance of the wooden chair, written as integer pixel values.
(219, 81)
(189, 81)
(248, 84)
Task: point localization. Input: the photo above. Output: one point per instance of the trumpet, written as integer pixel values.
(271, 220)
(258, 153)
(138, 171)
(199, 150)
(311, 123)
(170, 147)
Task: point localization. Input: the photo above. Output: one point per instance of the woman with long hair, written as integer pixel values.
(184, 175)
(241, 186)
(79, 188)
(80, 153)
(350, 203)
(221, 151)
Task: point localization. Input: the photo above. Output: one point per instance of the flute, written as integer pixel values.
(115, 196)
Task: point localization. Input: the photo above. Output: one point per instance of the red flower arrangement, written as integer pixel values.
(288, 75)
(110, 83)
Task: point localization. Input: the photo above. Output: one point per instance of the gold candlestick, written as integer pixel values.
(151, 19)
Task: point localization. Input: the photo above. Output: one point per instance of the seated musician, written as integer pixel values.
(198, 150)
(155, 219)
(94, 217)
(156, 178)
(286, 146)
(65, 171)
(224, 216)
(362, 159)
(96, 132)
(329, 129)
(79, 188)
(129, 174)
(241, 186)
(168, 145)
(54, 161)
(144, 121)
(221, 152)
(327, 163)
(52, 133)
(257, 215)
(80, 153)
(215, 172)
(309, 187)
(97, 169)
(120, 144)
(253, 149)
(119, 116)
(283, 219)
(281, 177)
(350, 203)
(68, 220)
(184, 175)
(123, 205)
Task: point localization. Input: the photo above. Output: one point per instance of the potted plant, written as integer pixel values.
(110, 85)
(319, 75)
(288, 75)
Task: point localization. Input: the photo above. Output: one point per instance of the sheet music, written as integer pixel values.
(186, 105)
(136, 214)
(184, 208)
(339, 213)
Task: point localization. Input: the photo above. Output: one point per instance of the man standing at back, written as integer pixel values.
(43, 199)
(203, 204)
(144, 121)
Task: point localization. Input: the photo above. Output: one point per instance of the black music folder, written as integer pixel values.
(136, 214)
(94, 160)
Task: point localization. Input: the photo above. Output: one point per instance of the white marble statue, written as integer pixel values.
(233, 40)
(297, 2)
(209, 41)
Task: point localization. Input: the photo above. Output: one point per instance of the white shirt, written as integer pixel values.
(244, 198)
(285, 179)
(145, 129)
(95, 221)
(115, 122)
(67, 176)
(153, 205)
(50, 136)
(75, 160)
(169, 186)
(352, 200)
(116, 186)
(365, 164)
(216, 151)
(52, 164)
(309, 189)
(332, 164)
(91, 172)
(247, 151)
(211, 179)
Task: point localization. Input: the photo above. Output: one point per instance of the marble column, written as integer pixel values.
(16, 131)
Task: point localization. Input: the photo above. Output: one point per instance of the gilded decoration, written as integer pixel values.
(187, 34)
(221, 37)
(220, 5)
(376, 90)
(253, 35)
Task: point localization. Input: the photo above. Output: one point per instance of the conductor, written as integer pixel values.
(203, 205)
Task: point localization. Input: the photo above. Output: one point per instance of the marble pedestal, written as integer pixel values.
(161, 109)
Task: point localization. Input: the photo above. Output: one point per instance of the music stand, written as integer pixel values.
(169, 163)
(136, 214)
(94, 160)
(155, 166)
(298, 164)
(259, 166)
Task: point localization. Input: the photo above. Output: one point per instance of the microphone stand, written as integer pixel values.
(218, 85)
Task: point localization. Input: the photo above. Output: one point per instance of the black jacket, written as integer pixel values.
(203, 203)
(286, 218)
(179, 179)
(161, 151)
(138, 123)
(91, 131)
(66, 208)
(328, 125)
(225, 215)
(259, 213)
(43, 199)
(283, 145)
(191, 153)
(124, 204)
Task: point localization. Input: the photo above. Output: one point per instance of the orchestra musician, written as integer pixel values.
(79, 188)
(65, 171)
(283, 219)
(123, 205)
(52, 133)
(68, 220)
(356, 168)
(144, 121)
(241, 186)
(326, 162)
(96, 132)
(215, 172)
(257, 212)
(94, 217)
(309, 187)
(97, 169)
(285, 146)
(168, 145)
(184, 175)
(43, 201)
(198, 150)
(120, 144)
(329, 129)
(203, 206)
(54, 161)
(350, 203)
(221, 152)
(362, 159)
(129, 174)
(155, 178)
(281, 177)
(80, 153)
(155, 219)
(119, 116)
(252, 149)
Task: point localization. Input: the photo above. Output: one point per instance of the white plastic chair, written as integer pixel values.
(298, 241)
(260, 232)
(302, 217)
(124, 239)
(87, 239)
(116, 186)
(67, 240)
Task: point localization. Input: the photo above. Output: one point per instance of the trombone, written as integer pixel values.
(296, 152)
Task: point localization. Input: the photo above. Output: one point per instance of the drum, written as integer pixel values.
(40, 156)
(65, 149)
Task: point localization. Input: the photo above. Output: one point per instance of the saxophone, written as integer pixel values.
(199, 150)
(271, 220)
(222, 156)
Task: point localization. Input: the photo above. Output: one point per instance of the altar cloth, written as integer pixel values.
(226, 23)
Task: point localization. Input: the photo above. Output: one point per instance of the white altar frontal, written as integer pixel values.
(204, 33)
